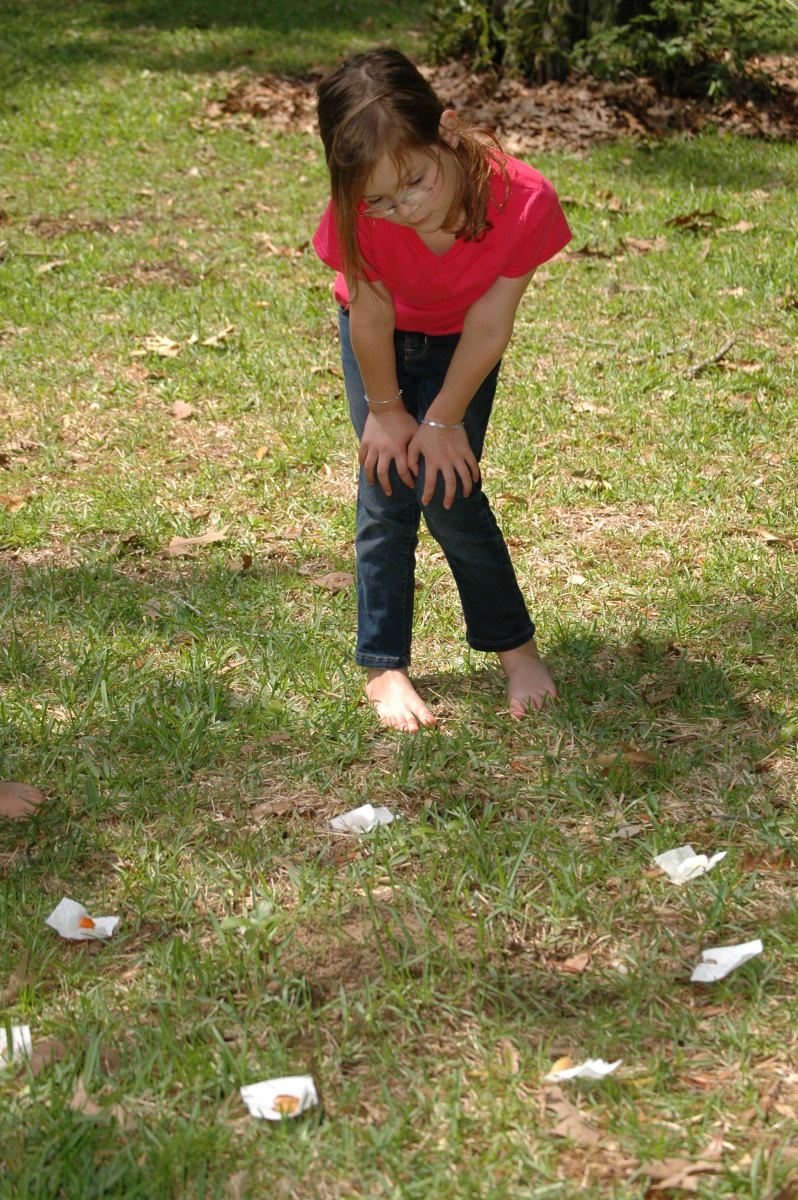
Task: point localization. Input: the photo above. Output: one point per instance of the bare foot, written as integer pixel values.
(396, 701)
(529, 680)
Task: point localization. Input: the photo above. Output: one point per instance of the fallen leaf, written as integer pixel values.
(625, 832)
(19, 800)
(335, 581)
(45, 1053)
(217, 339)
(45, 268)
(10, 993)
(81, 1101)
(571, 1124)
(180, 545)
(576, 965)
(509, 1056)
(14, 503)
(181, 411)
(629, 754)
(272, 808)
(741, 227)
(261, 453)
(694, 220)
(156, 343)
(678, 1174)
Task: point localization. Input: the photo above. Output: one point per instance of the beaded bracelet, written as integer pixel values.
(380, 403)
(442, 424)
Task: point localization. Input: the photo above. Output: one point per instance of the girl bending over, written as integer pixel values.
(435, 234)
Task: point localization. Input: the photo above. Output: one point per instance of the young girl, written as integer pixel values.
(435, 234)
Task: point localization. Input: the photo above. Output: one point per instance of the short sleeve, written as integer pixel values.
(545, 230)
(325, 240)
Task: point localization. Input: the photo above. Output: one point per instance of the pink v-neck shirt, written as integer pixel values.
(433, 292)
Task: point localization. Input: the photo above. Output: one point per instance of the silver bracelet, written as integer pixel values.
(442, 424)
(379, 403)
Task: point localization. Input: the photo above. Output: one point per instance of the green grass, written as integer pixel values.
(161, 702)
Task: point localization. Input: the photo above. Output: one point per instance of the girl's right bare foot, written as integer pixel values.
(396, 701)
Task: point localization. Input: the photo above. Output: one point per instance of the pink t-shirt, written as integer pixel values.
(433, 292)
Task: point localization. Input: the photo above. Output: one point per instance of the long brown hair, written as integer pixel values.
(378, 103)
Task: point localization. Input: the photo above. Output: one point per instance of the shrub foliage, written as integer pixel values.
(686, 47)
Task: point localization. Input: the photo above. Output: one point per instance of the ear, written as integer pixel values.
(449, 128)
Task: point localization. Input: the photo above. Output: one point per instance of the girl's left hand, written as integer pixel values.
(447, 451)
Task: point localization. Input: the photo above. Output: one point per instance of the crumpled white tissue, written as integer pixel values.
(363, 819)
(720, 961)
(276, 1099)
(591, 1068)
(21, 1043)
(66, 919)
(683, 864)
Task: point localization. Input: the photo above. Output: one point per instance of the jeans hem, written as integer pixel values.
(494, 647)
(381, 662)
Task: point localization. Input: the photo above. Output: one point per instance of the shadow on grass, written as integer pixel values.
(194, 35)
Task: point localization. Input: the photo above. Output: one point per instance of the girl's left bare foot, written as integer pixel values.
(529, 680)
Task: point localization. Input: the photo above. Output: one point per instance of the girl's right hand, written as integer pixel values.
(385, 440)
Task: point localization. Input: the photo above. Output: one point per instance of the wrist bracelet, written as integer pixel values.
(379, 403)
(442, 424)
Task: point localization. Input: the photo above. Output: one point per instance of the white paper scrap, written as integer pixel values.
(21, 1043)
(276, 1099)
(363, 819)
(71, 920)
(720, 961)
(591, 1068)
(683, 864)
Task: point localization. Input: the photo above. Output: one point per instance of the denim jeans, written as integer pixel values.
(496, 617)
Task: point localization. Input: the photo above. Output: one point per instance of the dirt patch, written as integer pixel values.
(574, 115)
(144, 274)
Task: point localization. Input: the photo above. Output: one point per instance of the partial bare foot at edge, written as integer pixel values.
(395, 700)
(529, 680)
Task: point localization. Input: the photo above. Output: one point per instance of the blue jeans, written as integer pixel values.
(496, 616)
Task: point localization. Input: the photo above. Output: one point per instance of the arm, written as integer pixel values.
(389, 429)
(487, 329)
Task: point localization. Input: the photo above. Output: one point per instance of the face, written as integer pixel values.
(430, 176)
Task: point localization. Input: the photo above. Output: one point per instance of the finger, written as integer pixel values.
(450, 488)
(368, 461)
(383, 469)
(413, 455)
(403, 471)
(465, 478)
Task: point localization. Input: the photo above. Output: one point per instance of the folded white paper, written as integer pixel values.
(276, 1099)
(718, 962)
(591, 1068)
(71, 920)
(21, 1043)
(362, 820)
(683, 864)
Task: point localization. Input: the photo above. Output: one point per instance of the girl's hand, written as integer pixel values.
(449, 452)
(385, 439)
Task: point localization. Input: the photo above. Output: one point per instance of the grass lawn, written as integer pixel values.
(168, 370)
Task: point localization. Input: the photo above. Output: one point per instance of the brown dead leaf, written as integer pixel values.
(158, 344)
(19, 800)
(13, 503)
(81, 1101)
(181, 545)
(629, 754)
(181, 411)
(45, 1053)
(261, 453)
(10, 993)
(218, 339)
(644, 245)
(45, 268)
(571, 1123)
(694, 220)
(335, 581)
(678, 1174)
(275, 251)
(741, 227)
(624, 832)
(508, 1055)
(272, 808)
(576, 965)
(776, 539)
